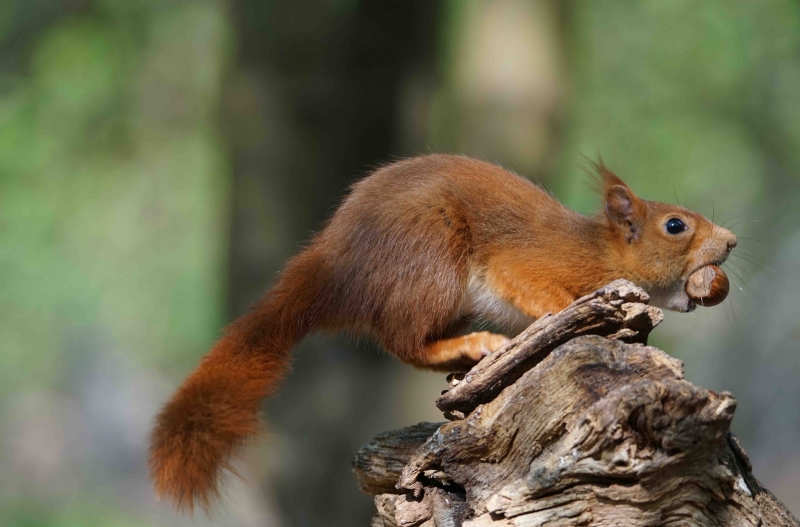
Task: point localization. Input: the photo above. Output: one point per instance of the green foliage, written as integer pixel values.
(113, 195)
(682, 98)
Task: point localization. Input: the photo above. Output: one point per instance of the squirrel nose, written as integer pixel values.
(732, 243)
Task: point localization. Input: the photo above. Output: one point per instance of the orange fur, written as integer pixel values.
(417, 251)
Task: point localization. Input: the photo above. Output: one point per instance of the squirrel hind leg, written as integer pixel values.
(458, 353)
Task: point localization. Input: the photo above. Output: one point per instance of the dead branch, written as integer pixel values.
(576, 422)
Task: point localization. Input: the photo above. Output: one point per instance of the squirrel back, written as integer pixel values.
(416, 252)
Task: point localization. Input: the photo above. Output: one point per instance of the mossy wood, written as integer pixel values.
(575, 422)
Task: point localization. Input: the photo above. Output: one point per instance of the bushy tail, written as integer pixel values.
(216, 409)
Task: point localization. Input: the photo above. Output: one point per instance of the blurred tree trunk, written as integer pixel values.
(311, 105)
(502, 87)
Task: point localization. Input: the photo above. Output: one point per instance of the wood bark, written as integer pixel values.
(575, 422)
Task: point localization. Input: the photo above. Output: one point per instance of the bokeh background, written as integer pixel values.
(160, 159)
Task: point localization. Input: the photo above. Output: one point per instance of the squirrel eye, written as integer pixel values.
(675, 226)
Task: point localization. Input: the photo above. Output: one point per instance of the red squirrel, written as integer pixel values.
(418, 250)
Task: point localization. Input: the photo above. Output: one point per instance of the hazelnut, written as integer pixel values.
(708, 286)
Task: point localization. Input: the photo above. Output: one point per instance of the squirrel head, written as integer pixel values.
(658, 245)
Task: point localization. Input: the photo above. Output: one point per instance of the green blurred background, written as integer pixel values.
(160, 159)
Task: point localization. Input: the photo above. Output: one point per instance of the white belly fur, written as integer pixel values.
(482, 303)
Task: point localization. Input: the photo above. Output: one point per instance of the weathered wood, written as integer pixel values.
(598, 432)
(436, 508)
(617, 311)
(774, 512)
(378, 464)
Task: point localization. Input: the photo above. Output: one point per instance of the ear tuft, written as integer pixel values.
(604, 178)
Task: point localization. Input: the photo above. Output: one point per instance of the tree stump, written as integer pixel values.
(575, 422)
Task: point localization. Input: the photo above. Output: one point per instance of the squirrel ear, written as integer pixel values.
(622, 208)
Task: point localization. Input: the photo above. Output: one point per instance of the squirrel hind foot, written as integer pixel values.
(460, 353)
